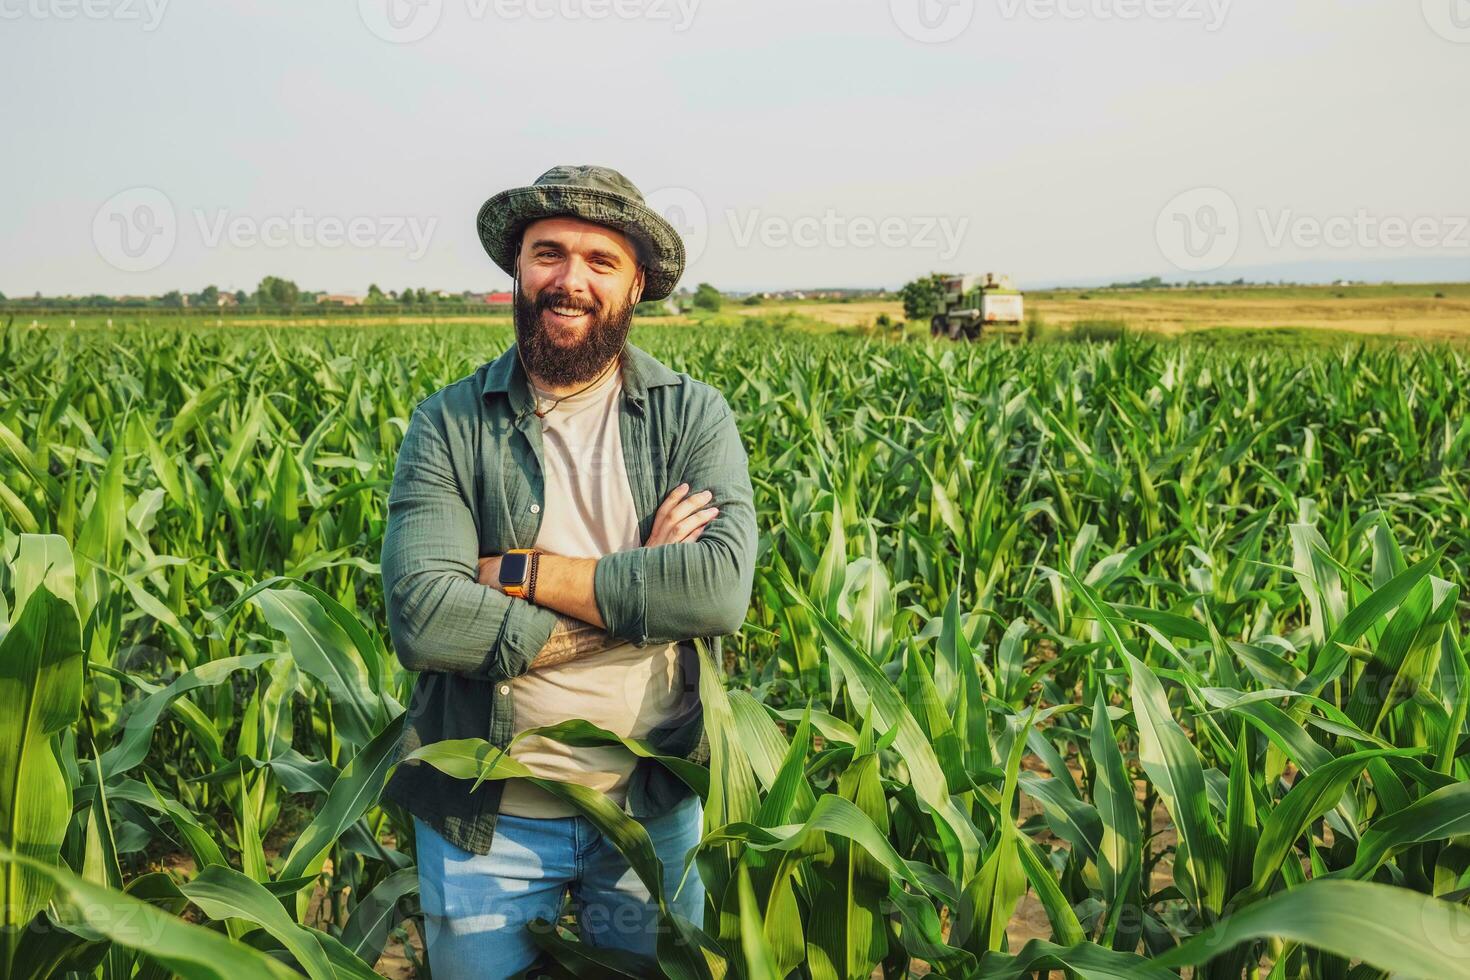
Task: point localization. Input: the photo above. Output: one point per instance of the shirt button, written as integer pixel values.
(535, 508)
(505, 689)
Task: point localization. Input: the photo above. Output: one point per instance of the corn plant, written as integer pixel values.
(1127, 659)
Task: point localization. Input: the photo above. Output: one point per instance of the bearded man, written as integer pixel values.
(562, 524)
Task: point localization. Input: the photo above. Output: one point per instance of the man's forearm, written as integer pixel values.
(579, 631)
(565, 586)
(570, 640)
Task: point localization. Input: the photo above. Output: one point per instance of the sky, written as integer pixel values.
(154, 145)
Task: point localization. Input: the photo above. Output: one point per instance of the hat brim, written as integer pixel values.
(506, 215)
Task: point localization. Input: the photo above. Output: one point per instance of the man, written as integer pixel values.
(561, 524)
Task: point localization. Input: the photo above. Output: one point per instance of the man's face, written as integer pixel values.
(579, 282)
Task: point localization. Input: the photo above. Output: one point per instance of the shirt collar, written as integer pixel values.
(641, 371)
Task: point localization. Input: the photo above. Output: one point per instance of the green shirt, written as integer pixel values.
(468, 482)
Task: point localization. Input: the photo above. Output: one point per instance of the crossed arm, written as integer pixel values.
(691, 578)
(567, 585)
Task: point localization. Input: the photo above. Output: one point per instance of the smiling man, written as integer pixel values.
(561, 524)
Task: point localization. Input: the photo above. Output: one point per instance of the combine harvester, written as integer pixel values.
(971, 304)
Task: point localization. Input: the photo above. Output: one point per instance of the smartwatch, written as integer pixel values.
(516, 571)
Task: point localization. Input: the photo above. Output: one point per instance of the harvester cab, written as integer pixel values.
(972, 303)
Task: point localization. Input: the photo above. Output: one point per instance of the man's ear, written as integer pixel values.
(638, 281)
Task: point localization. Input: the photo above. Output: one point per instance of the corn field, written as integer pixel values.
(1137, 659)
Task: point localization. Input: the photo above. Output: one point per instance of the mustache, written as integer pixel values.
(547, 299)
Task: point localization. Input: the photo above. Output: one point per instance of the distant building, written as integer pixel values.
(498, 299)
(340, 299)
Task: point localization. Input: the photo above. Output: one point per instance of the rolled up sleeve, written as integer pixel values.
(440, 617)
(692, 589)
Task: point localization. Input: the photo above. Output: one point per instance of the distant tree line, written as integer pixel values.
(275, 294)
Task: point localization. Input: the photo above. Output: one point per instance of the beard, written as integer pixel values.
(558, 364)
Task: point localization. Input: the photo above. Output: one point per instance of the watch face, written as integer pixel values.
(513, 569)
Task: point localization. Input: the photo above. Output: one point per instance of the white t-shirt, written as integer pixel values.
(589, 512)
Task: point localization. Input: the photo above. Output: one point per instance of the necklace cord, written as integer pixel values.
(537, 399)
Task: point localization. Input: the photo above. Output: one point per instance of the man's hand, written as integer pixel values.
(682, 517)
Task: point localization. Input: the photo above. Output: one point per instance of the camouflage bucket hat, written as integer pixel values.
(597, 194)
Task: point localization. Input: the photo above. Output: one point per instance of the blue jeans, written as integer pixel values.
(477, 907)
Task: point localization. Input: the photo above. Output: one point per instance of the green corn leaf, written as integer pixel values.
(325, 652)
(759, 962)
(1086, 961)
(1120, 848)
(1442, 815)
(189, 950)
(871, 689)
(1393, 929)
(1308, 800)
(41, 689)
(132, 748)
(354, 792)
(367, 928)
(1170, 760)
(223, 893)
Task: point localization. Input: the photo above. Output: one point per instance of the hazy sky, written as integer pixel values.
(152, 145)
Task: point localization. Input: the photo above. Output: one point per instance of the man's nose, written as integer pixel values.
(573, 277)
